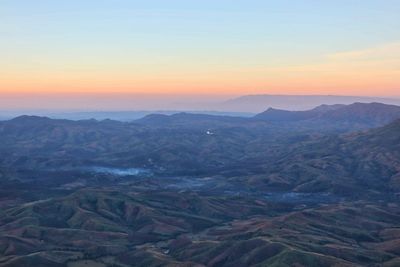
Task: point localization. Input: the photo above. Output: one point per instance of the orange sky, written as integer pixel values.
(200, 48)
(373, 71)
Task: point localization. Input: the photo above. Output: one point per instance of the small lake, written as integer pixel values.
(119, 171)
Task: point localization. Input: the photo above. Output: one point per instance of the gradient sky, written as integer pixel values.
(346, 47)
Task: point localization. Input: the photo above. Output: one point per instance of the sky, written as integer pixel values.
(200, 47)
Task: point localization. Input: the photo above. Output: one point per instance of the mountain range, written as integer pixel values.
(131, 107)
(319, 187)
(258, 103)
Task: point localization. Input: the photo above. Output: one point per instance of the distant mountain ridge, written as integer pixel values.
(281, 115)
(354, 116)
(124, 116)
(185, 119)
(259, 103)
(368, 113)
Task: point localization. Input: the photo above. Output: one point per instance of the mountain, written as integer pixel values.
(184, 119)
(125, 116)
(359, 114)
(202, 190)
(180, 143)
(372, 113)
(278, 115)
(364, 163)
(259, 103)
(336, 117)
